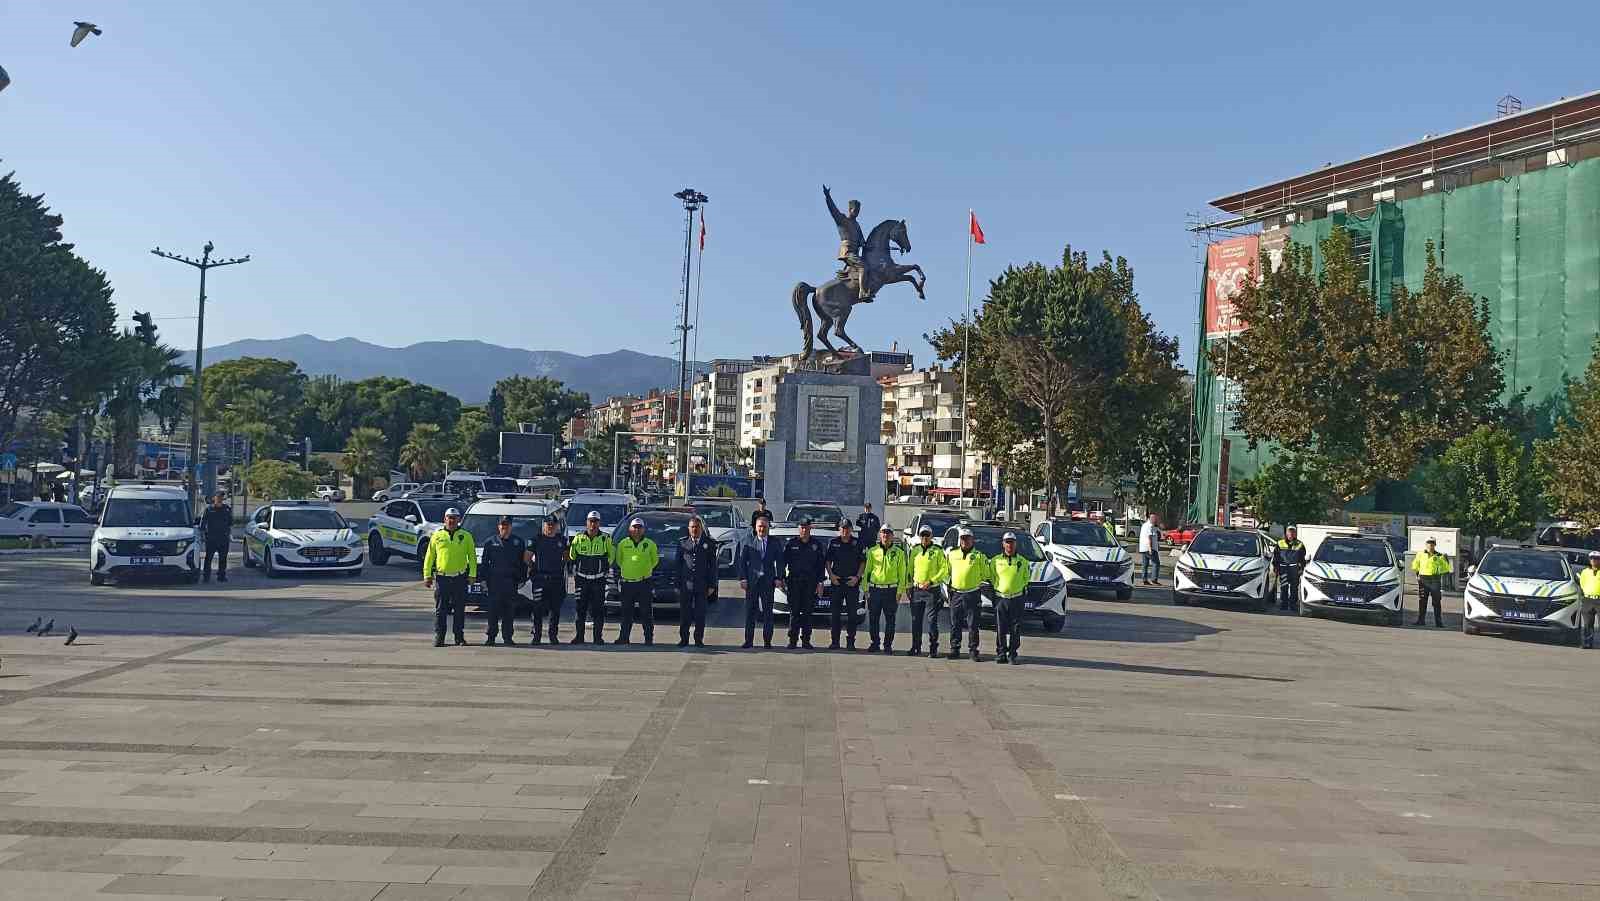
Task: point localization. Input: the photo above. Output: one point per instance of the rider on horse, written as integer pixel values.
(851, 243)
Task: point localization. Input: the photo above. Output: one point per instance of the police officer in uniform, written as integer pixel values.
(803, 565)
(1009, 574)
(846, 564)
(1289, 559)
(697, 580)
(887, 579)
(760, 564)
(549, 549)
(930, 569)
(592, 556)
(761, 512)
(637, 557)
(451, 556)
(969, 569)
(1589, 607)
(505, 568)
(1431, 568)
(216, 526)
(867, 524)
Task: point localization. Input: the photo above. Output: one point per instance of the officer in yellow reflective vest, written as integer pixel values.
(930, 569)
(1430, 567)
(449, 563)
(969, 569)
(1010, 574)
(1589, 607)
(637, 556)
(887, 578)
(592, 555)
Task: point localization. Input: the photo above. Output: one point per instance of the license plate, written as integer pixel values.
(1343, 599)
(1518, 614)
(321, 552)
(146, 561)
(477, 588)
(1215, 588)
(822, 604)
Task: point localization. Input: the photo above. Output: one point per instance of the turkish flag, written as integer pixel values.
(976, 229)
(702, 230)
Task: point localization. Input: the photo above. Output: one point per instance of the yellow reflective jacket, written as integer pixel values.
(450, 556)
(1011, 574)
(636, 560)
(886, 568)
(968, 569)
(928, 565)
(1426, 564)
(1589, 582)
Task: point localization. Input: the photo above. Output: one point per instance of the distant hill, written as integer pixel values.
(466, 369)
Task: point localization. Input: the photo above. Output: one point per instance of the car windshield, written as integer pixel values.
(939, 522)
(988, 541)
(1086, 534)
(307, 519)
(664, 531)
(499, 486)
(151, 512)
(610, 514)
(9, 511)
(716, 517)
(1226, 544)
(1354, 551)
(481, 526)
(1523, 565)
(433, 511)
(818, 512)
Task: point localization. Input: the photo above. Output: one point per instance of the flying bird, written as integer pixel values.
(72, 634)
(47, 627)
(4, 78)
(83, 30)
(37, 622)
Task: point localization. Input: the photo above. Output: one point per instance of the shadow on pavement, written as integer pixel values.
(1102, 625)
(1109, 666)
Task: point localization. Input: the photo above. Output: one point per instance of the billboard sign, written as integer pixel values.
(1228, 265)
(527, 448)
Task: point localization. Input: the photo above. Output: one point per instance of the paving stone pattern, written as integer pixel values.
(304, 740)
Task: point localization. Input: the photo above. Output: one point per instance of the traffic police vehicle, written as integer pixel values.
(144, 530)
(1226, 565)
(1347, 574)
(1522, 589)
(1086, 556)
(1046, 596)
(302, 536)
(404, 526)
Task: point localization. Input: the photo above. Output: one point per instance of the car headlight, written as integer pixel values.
(183, 546)
(110, 546)
(284, 544)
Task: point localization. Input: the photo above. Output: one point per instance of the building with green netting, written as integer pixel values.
(1511, 205)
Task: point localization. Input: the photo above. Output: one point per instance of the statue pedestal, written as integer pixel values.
(826, 439)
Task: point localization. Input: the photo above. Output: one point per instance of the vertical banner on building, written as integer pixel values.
(1229, 264)
(1222, 483)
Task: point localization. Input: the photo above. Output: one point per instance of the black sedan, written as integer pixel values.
(666, 528)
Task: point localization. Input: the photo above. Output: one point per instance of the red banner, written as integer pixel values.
(1228, 265)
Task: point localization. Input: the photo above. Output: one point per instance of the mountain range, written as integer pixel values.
(466, 369)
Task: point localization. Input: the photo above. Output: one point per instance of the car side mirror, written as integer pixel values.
(411, 518)
(1470, 570)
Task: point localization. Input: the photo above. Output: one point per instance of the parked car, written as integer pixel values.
(301, 536)
(1348, 574)
(822, 513)
(1522, 589)
(46, 522)
(1046, 598)
(666, 528)
(527, 518)
(1087, 557)
(1182, 534)
(1226, 564)
(726, 525)
(394, 491)
(613, 507)
(144, 530)
(404, 526)
(939, 521)
(329, 493)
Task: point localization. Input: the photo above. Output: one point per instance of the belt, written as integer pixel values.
(590, 576)
(883, 584)
(456, 574)
(1008, 597)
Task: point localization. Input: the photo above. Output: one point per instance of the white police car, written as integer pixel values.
(144, 530)
(1086, 556)
(1522, 589)
(403, 527)
(482, 521)
(1228, 565)
(302, 536)
(1349, 574)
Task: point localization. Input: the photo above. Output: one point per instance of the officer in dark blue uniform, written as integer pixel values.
(697, 580)
(503, 570)
(549, 549)
(803, 565)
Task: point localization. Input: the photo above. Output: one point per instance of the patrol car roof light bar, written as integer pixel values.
(689, 438)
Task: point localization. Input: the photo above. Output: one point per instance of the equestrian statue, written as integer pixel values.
(865, 265)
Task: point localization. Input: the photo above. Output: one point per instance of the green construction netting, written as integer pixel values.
(1529, 244)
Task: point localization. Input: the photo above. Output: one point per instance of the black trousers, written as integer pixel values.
(924, 602)
(1008, 623)
(964, 608)
(884, 602)
(802, 601)
(590, 604)
(221, 551)
(501, 609)
(758, 600)
(692, 601)
(642, 595)
(843, 600)
(1429, 587)
(449, 602)
(549, 590)
(1289, 589)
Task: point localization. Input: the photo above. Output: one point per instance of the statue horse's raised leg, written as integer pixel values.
(839, 330)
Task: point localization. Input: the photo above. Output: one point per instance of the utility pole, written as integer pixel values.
(203, 264)
(692, 201)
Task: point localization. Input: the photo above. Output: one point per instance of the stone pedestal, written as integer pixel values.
(826, 442)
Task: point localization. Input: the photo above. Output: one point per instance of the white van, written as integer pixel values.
(468, 485)
(528, 479)
(145, 530)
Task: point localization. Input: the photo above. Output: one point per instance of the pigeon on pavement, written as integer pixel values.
(37, 621)
(47, 627)
(83, 30)
(72, 634)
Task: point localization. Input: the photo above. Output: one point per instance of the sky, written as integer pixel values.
(505, 171)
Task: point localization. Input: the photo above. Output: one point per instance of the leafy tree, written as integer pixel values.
(320, 467)
(58, 341)
(254, 413)
(148, 383)
(597, 447)
(476, 442)
(1322, 369)
(1047, 351)
(326, 413)
(365, 457)
(1570, 459)
(425, 449)
(1161, 455)
(1486, 484)
(276, 479)
(395, 406)
(271, 389)
(1293, 489)
(543, 401)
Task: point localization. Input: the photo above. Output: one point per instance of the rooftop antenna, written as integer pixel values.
(1507, 105)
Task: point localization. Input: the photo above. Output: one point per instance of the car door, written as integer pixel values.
(255, 532)
(45, 522)
(76, 524)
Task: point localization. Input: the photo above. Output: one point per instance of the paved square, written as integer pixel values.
(303, 739)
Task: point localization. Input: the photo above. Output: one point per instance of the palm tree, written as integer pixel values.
(150, 385)
(364, 457)
(424, 449)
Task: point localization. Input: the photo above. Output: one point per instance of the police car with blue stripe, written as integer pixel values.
(1522, 589)
(1350, 574)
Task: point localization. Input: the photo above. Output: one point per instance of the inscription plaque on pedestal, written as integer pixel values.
(826, 426)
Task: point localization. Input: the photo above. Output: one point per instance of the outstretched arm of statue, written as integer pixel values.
(833, 208)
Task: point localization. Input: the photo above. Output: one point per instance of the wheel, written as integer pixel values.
(376, 550)
(244, 556)
(96, 579)
(1124, 594)
(1054, 623)
(267, 568)
(39, 542)
(422, 551)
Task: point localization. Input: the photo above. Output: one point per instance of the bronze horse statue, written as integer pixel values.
(834, 298)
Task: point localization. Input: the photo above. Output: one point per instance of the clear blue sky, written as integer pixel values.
(505, 171)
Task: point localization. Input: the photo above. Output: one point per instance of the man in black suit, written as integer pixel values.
(697, 579)
(760, 567)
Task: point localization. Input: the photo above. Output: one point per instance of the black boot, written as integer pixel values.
(576, 639)
(438, 641)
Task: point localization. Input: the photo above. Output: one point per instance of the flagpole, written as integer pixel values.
(699, 275)
(966, 353)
